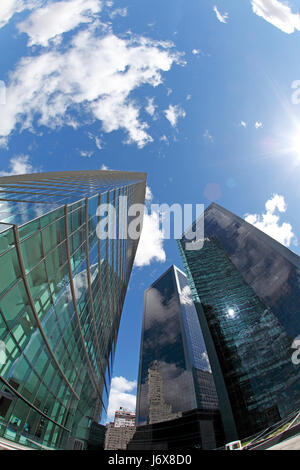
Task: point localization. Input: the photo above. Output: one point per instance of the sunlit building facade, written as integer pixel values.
(124, 418)
(120, 432)
(174, 373)
(246, 288)
(62, 292)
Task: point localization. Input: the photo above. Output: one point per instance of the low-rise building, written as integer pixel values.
(121, 431)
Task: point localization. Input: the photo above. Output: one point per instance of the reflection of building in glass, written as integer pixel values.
(174, 374)
(246, 288)
(62, 292)
(159, 410)
(120, 432)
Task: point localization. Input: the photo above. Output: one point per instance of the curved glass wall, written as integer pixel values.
(61, 295)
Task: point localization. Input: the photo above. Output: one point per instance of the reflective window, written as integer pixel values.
(246, 287)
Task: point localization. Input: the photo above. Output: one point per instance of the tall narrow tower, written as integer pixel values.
(174, 373)
(62, 290)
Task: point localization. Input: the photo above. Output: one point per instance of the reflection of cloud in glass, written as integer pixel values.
(2, 353)
(5, 211)
(204, 357)
(80, 281)
(273, 278)
(177, 383)
(186, 296)
(80, 284)
(162, 315)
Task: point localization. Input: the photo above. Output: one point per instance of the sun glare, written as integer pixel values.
(295, 146)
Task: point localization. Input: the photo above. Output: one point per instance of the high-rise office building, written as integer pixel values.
(174, 373)
(246, 288)
(61, 297)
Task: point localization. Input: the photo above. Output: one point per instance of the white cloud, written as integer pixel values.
(150, 247)
(86, 153)
(19, 165)
(120, 396)
(97, 140)
(197, 52)
(165, 139)
(8, 8)
(98, 143)
(104, 167)
(4, 142)
(119, 11)
(258, 125)
(243, 124)
(221, 17)
(151, 107)
(57, 18)
(173, 113)
(269, 222)
(278, 14)
(148, 195)
(207, 136)
(94, 74)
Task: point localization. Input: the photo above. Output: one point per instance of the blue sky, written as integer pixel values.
(200, 94)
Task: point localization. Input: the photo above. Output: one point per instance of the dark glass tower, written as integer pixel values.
(246, 288)
(174, 374)
(61, 295)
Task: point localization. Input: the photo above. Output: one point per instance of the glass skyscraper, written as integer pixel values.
(62, 290)
(174, 373)
(246, 288)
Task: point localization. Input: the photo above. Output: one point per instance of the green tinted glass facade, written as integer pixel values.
(61, 295)
(246, 290)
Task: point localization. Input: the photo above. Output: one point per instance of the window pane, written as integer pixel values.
(9, 270)
(31, 251)
(14, 302)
